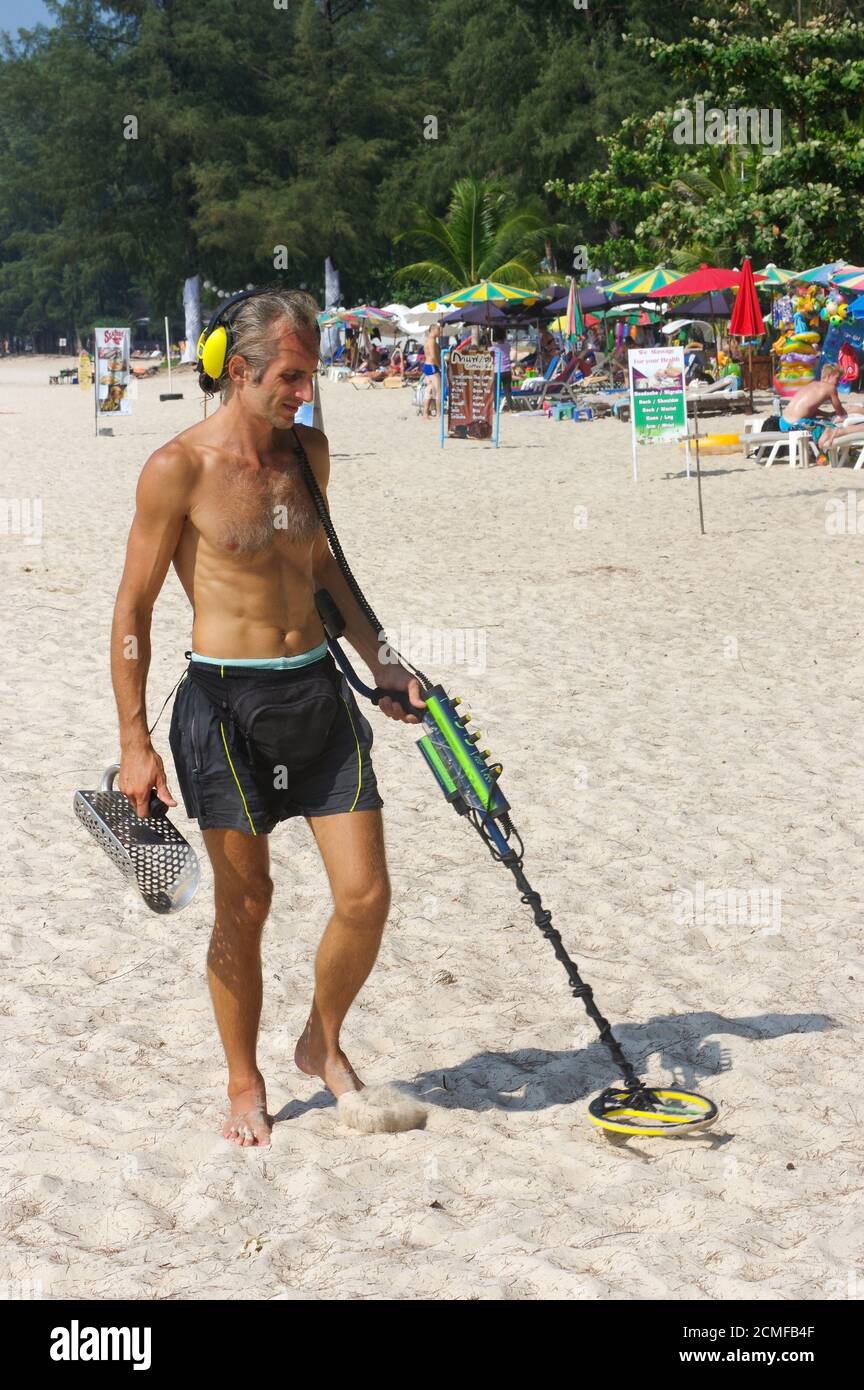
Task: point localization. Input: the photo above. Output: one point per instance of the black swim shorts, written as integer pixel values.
(253, 747)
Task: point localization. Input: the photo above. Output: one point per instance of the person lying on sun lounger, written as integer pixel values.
(803, 413)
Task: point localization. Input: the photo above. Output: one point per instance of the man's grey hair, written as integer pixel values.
(831, 369)
(255, 324)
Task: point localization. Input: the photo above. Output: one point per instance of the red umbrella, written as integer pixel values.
(747, 319)
(706, 280)
(702, 281)
(746, 314)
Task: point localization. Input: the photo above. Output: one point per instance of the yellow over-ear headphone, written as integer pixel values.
(215, 342)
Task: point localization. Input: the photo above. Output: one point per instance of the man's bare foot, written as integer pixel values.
(334, 1070)
(370, 1110)
(247, 1122)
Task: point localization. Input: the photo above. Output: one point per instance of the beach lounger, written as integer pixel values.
(795, 447)
(714, 400)
(557, 390)
(526, 397)
(848, 452)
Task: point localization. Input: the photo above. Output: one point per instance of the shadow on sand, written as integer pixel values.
(671, 1050)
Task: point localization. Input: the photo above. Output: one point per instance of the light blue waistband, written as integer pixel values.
(266, 663)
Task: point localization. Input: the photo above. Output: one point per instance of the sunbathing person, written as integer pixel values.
(803, 413)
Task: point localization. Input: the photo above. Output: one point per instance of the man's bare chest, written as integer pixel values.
(243, 511)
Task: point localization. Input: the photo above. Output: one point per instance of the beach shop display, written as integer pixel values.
(473, 395)
(112, 371)
(658, 409)
(844, 344)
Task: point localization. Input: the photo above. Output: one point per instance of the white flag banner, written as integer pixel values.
(112, 371)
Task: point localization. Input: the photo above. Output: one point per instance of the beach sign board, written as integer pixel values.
(473, 394)
(112, 371)
(85, 371)
(658, 408)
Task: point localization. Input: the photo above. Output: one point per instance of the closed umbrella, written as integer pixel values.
(747, 315)
(575, 326)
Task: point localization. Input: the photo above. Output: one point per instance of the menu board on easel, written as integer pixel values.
(472, 394)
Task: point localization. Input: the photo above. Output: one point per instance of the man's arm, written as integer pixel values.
(160, 509)
(358, 630)
(839, 407)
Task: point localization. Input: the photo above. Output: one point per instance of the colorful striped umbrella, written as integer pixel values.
(851, 277)
(643, 281)
(821, 274)
(489, 291)
(575, 326)
(368, 313)
(334, 316)
(775, 276)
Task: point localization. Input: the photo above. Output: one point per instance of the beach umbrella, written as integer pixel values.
(773, 275)
(575, 327)
(856, 308)
(484, 314)
(427, 312)
(706, 280)
(747, 315)
(643, 281)
(368, 313)
(708, 306)
(851, 277)
(331, 316)
(821, 274)
(489, 291)
(559, 325)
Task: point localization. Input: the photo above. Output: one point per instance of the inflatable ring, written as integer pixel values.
(714, 443)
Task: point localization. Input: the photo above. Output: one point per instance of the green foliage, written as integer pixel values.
(260, 128)
(796, 206)
(483, 236)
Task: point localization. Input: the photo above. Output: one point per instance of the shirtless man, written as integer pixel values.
(803, 411)
(279, 735)
(432, 357)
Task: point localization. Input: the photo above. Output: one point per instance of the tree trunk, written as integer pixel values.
(192, 307)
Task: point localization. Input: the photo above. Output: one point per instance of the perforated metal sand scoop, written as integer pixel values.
(150, 852)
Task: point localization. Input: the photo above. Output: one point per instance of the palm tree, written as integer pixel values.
(723, 176)
(482, 237)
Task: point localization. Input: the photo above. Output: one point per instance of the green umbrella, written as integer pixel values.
(643, 281)
(489, 292)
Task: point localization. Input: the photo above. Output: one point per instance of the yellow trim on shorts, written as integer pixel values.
(236, 779)
(359, 753)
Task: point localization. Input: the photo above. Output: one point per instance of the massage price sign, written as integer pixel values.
(658, 404)
(112, 371)
(473, 392)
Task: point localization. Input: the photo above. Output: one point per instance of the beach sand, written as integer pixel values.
(676, 715)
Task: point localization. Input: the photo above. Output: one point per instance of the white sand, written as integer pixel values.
(671, 710)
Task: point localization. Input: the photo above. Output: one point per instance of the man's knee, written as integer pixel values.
(365, 904)
(245, 905)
